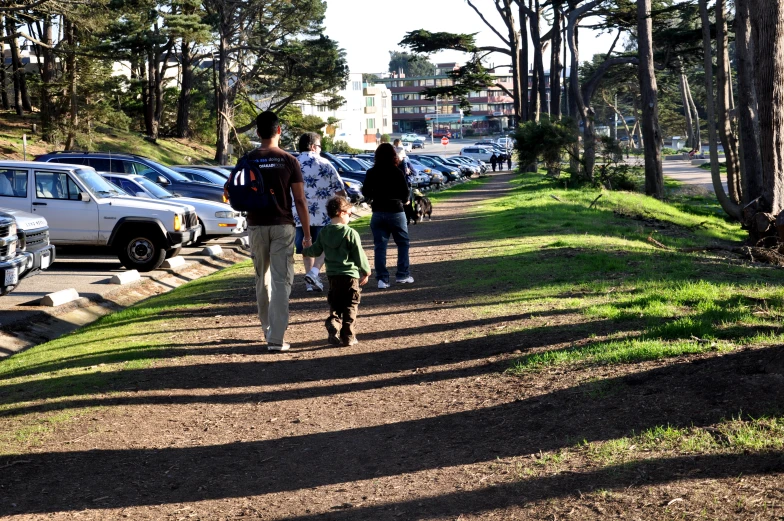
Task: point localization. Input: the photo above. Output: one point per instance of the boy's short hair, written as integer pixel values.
(336, 205)
(267, 124)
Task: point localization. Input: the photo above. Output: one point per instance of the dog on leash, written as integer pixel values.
(418, 209)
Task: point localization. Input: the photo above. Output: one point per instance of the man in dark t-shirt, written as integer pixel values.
(271, 230)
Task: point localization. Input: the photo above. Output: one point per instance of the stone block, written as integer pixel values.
(58, 298)
(174, 262)
(126, 277)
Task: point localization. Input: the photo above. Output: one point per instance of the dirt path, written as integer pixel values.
(418, 421)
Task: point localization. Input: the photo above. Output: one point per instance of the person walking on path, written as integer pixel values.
(493, 161)
(509, 160)
(378, 137)
(386, 189)
(347, 270)
(271, 230)
(321, 183)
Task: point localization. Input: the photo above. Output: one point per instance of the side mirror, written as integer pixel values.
(163, 181)
(340, 169)
(84, 197)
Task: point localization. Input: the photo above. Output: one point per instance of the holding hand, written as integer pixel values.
(307, 241)
(363, 280)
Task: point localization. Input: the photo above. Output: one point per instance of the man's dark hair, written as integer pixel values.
(336, 205)
(267, 124)
(306, 140)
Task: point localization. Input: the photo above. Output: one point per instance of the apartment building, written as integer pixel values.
(367, 111)
(492, 109)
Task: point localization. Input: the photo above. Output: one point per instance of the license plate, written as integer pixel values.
(45, 260)
(11, 277)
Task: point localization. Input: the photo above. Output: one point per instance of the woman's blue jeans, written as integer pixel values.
(384, 224)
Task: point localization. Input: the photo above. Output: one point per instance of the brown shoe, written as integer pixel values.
(334, 340)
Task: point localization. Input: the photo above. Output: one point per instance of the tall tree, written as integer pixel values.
(410, 65)
(732, 208)
(654, 177)
(724, 105)
(768, 35)
(748, 114)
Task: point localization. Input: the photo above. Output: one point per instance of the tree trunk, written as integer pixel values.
(70, 73)
(524, 62)
(687, 112)
(3, 92)
(728, 139)
(566, 105)
(696, 115)
(768, 38)
(732, 209)
(654, 178)
(555, 64)
(15, 71)
(538, 88)
(184, 101)
(224, 103)
(145, 75)
(748, 116)
(48, 123)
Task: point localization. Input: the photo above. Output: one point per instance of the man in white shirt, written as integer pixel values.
(321, 183)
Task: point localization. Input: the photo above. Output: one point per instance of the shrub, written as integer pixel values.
(545, 141)
(385, 138)
(666, 151)
(338, 147)
(619, 177)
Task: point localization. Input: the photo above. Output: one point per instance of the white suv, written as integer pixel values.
(83, 209)
(477, 152)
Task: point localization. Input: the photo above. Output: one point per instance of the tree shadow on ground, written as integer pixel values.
(699, 393)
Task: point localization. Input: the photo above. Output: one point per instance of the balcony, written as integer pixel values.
(370, 110)
(370, 91)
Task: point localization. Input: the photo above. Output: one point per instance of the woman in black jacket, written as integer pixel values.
(386, 188)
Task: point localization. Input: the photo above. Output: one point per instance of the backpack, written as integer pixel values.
(245, 188)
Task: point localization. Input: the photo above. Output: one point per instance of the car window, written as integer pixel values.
(55, 185)
(130, 187)
(13, 183)
(100, 164)
(69, 160)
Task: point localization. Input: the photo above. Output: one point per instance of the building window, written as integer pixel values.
(356, 85)
(383, 103)
(385, 123)
(370, 101)
(371, 123)
(428, 83)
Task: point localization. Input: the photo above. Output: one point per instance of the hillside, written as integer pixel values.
(168, 151)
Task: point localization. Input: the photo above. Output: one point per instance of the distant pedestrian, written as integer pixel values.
(493, 161)
(386, 189)
(321, 183)
(378, 137)
(271, 230)
(347, 270)
(509, 160)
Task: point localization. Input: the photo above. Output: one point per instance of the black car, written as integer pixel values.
(450, 173)
(343, 168)
(133, 164)
(203, 176)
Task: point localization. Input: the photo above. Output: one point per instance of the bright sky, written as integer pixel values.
(369, 30)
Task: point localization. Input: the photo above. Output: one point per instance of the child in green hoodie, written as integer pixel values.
(347, 270)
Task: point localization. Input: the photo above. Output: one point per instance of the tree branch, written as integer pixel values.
(506, 41)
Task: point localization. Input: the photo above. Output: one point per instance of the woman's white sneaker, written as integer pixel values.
(407, 280)
(382, 284)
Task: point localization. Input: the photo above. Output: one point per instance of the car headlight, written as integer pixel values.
(427, 170)
(453, 172)
(224, 215)
(12, 229)
(177, 222)
(348, 183)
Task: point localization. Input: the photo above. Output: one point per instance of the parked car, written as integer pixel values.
(481, 153)
(353, 189)
(32, 233)
(436, 178)
(449, 172)
(133, 164)
(224, 171)
(465, 170)
(216, 219)
(462, 161)
(416, 143)
(410, 137)
(344, 169)
(83, 209)
(481, 165)
(505, 142)
(10, 263)
(355, 163)
(202, 176)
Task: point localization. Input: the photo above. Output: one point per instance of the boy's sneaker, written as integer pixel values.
(334, 340)
(308, 286)
(349, 341)
(312, 277)
(278, 347)
(382, 284)
(407, 280)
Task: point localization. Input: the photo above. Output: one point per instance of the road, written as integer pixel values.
(87, 271)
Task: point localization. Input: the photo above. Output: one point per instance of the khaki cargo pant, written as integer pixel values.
(272, 249)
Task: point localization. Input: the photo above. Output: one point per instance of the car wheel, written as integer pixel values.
(202, 234)
(140, 251)
(173, 252)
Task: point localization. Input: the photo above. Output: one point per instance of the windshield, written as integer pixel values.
(211, 177)
(174, 176)
(154, 189)
(437, 160)
(97, 184)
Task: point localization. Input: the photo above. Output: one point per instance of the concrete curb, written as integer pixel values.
(213, 251)
(172, 263)
(58, 298)
(126, 277)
